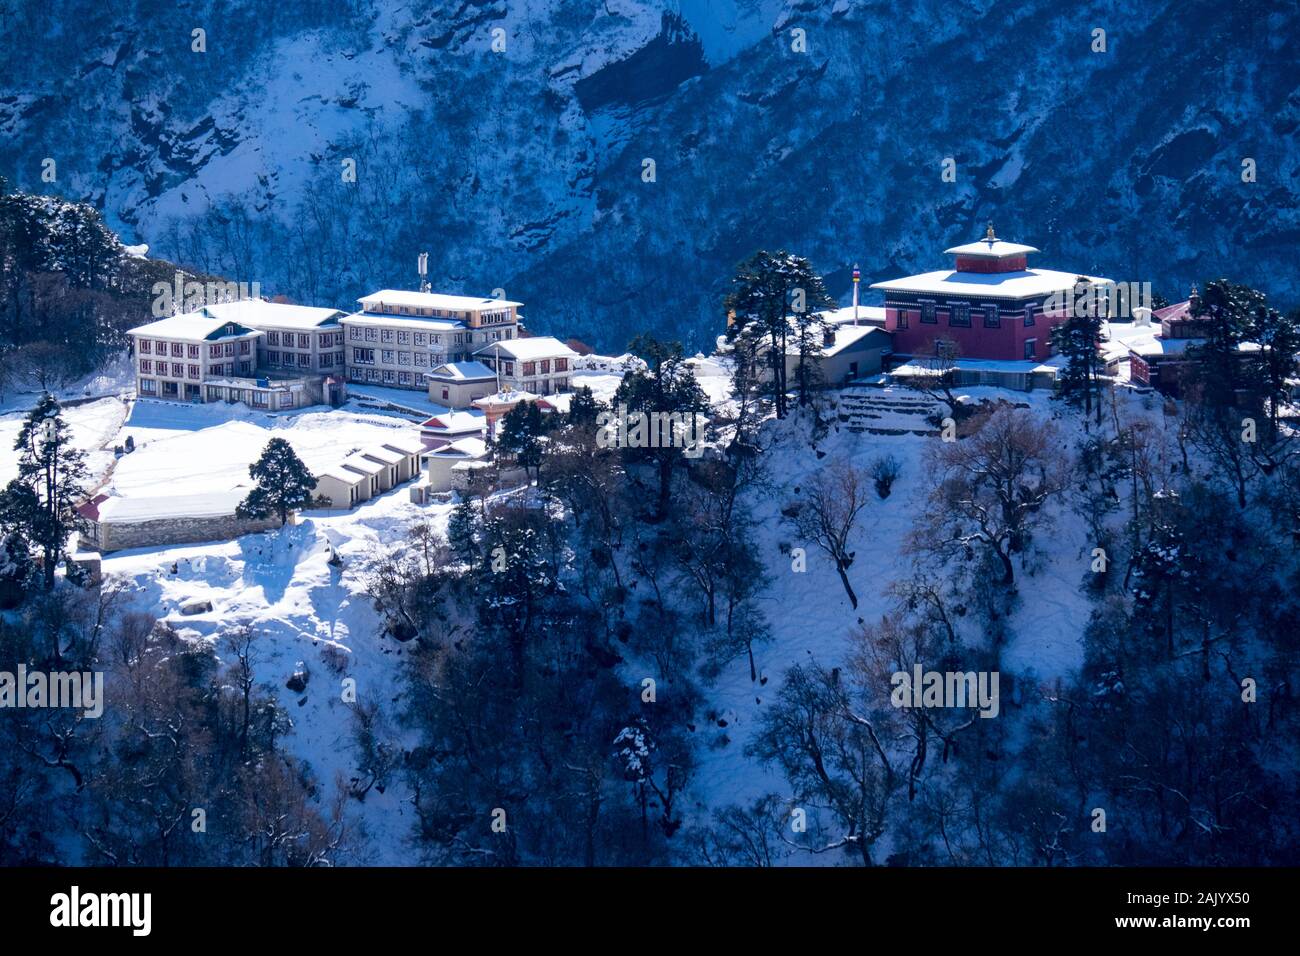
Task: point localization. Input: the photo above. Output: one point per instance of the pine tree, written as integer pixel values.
(16, 569)
(1227, 309)
(283, 484)
(667, 387)
(1273, 366)
(1220, 399)
(767, 289)
(521, 436)
(746, 380)
(40, 504)
(1076, 339)
(461, 526)
(584, 409)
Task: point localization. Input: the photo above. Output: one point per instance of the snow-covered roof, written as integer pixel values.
(408, 446)
(454, 422)
(461, 371)
(389, 456)
(258, 313)
(471, 465)
(529, 349)
(867, 314)
(359, 462)
(847, 336)
(1120, 338)
(1155, 344)
(339, 473)
(200, 325)
(922, 366)
(506, 397)
(464, 448)
(424, 323)
(210, 504)
(435, 300)
(990, 249)
(559, 402)
(1022, 284)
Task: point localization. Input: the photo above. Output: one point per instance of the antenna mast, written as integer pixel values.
(423, 270)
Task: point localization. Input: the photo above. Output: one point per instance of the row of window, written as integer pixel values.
(182, 350)
(542, 367)
(303, 339)
(250, 396)
(303, 359)
(389, 357)
(412, 310)
(959, 315)
(195, 372)
(387, 376)
(497, 315)
(404, 337)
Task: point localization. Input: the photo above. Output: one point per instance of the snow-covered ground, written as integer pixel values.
(190, 449)
(302, 609)
(282, 584)
(811, 617)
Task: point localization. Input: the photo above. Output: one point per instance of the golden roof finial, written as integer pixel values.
(989, 235)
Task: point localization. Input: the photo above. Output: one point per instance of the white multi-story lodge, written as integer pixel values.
(398, 336)
(278, 356)
(266, 354)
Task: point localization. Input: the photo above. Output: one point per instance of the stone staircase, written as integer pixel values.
(887, 410)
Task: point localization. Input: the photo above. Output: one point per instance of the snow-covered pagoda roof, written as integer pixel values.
(1021, 284)
(990, 249)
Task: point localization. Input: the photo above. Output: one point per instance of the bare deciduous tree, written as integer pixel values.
(828, 514)
(992, 487)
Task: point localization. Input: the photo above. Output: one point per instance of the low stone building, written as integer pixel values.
(114, 524)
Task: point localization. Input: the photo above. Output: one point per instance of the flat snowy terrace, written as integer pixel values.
(176, 460)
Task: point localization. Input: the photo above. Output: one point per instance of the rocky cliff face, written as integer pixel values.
(510, 140)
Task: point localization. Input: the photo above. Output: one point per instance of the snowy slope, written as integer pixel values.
(302, 607)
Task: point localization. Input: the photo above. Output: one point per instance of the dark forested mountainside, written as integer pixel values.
(510, 141)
